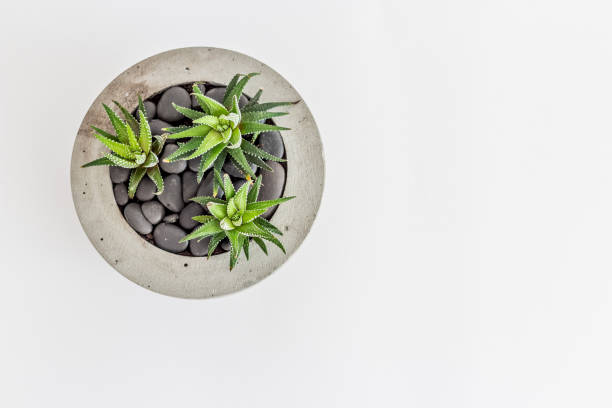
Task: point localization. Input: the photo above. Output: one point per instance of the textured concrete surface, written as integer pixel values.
(176, 275)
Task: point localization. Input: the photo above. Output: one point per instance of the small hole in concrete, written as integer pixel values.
(186, 265)
(101, 239)
(186, 68)
(83, 192)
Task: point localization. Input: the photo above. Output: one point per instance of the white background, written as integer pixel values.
(461, 256)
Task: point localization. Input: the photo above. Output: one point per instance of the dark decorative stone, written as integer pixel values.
(238, 183)
(150, 110)
(119, 174)
(271, 142)
(190, 185)
(194, 164)
(230, 168)
(153, 211)
(194, 100)
(157, 125)
(190, 210)
(172, 197)
(218, 93)
(146, 189)
(177, 95)
(134, 216)
(167, 236)
(121, 194)
(199, 248)
(272, 184)
(206, 186)
(174, 167)
(171, 218)
(225, 244)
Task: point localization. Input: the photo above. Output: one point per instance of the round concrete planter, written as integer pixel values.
(176, 275)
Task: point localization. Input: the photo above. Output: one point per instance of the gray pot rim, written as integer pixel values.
(176, 275)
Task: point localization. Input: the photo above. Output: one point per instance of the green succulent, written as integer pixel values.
(218, 131)
(237, 218)
(132, 147)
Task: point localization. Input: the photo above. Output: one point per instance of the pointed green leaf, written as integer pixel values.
(254, 191)
(208, 159)
(219, 211)
(250, 215)
(140, 158)
(210, 228)
(252, 127)
(231, 208)
(102, 161)
(231, 85)
(145, 138)
(135, 176)
(242, 162)
(265, 106)
(258, 162)
(256, 116)
(121, 162)
(245, 248)
(203, 200)
(134, 146)
(235, 139)
(234, 118)
(240, 199)
(196, 131)
(217, 183)
(237, 90)
(252, 230)
(105, 134)
(208, 120)
(151, 160)
(251, 149)
(254, 99)
(121, 149)
(214, 241)
(267, 225)
(131, 121)
(158, 144)
(176, 129)
(211, 106)
(119, 126)
(236, 108)
(156, 177)
(261, 244)
(236, 246)
(203, 219)
(190, 113)
(212, 139)
(184, 149)
(226, 224)
(260, 205)
(228, 187)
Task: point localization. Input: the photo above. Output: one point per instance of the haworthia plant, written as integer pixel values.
(132, 147)
(216, 134)
(238, 218)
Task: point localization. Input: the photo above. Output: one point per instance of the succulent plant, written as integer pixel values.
(238, 218)
(217, 132)
(132, 147)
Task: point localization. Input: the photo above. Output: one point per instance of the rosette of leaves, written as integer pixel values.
(217, 132)
(238, 218)
(132, 147)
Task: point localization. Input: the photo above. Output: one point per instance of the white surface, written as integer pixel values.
(478, 275)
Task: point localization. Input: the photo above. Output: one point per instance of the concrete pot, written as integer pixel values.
(176, 275)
